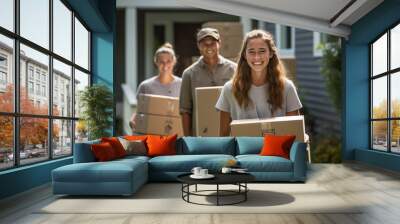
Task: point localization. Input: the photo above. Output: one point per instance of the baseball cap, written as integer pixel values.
(207, 32)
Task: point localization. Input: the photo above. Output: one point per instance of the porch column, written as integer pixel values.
(131, 55)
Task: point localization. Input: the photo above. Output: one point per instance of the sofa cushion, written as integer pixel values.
(83, 152)
(117, 146)
(135, 137)
(103, 152)
(208, 145)
(249, 145)
(161, 145)
(275, 145)
(185, 163)
(257, 163)
(133, 157)
(111, 171)
(134, 147)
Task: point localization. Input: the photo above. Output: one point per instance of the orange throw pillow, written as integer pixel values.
(116, 145)
(103, 151)
(161, 145)
(275, 145)
(135, 137)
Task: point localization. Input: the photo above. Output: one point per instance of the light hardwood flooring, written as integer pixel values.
(354, 182)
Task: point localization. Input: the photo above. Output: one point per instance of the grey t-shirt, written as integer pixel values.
(154, 86)
(198, 75)
(259, 108)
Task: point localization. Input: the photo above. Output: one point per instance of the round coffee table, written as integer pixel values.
(238, 179)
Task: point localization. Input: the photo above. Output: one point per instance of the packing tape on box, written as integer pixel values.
(266, 128)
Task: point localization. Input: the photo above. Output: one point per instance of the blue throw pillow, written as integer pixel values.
(208, 145)
(249, 145)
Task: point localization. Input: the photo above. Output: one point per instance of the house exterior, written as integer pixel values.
(304, 52)
(159, 22)
(359, 24)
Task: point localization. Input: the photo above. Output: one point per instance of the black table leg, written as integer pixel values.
(188, 190)
(217, 194)
(182, 190)
(242, 191)
(245, 193)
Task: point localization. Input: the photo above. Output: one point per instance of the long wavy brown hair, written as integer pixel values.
(275, 74)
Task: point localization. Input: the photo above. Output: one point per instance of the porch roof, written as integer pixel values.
(328, 16)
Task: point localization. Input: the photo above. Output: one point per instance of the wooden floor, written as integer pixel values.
(378, 189)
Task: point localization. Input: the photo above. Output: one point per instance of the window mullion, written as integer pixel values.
(50, 81)
(371, 88)
(16, 84)
(73, 82)
(389, 113)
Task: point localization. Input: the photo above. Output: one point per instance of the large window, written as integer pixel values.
(318, 40)
(385, 91)
(285, 40)
(44, 64)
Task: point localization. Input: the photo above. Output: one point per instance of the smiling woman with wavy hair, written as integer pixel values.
(259, 88)
(242, 80)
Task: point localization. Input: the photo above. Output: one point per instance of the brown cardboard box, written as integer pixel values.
(207, 117)
(288, 125)
(230, 46)
(158, 125)
(158, 105)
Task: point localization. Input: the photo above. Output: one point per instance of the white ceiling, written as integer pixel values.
(316, 15)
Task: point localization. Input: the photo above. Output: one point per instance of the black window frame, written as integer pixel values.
(388, 74)
(16, 114)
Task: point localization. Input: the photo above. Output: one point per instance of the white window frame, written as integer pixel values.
(31, 88)
(287, 52)
(316, 42)
(3, 78)
(6, 61)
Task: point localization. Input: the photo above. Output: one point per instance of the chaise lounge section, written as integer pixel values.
(125, 176)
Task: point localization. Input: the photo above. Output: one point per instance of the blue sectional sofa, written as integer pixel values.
(125, 176)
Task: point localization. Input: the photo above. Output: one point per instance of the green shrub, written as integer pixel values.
(331, 69)
(96, 102)
(326, 149)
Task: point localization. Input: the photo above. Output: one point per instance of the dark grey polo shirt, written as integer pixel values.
(198, 75)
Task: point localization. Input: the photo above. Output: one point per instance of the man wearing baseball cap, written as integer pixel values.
(211, 69)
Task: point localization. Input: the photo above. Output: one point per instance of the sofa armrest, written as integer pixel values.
(298, 156)
(83, 152)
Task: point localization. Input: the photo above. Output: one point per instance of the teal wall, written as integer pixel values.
(99, 15)
(356, 86)
(103, 52)
(24, 178)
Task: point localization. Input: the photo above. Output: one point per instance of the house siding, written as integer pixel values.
(311, 86)
(270, 27)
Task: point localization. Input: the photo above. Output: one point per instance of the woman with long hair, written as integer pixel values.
(165, 82)
(259, 87)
